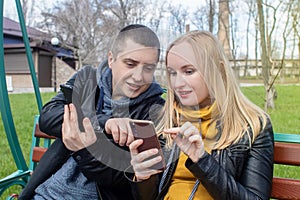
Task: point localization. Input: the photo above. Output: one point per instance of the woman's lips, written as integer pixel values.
(184, 94)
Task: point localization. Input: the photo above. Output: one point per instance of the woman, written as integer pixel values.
(222, 144)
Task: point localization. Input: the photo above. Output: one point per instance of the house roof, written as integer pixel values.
(13, 38)
(12, 27)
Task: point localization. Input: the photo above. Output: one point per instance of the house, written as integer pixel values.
(53, 64)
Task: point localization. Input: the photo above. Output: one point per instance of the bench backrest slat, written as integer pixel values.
(286, 153)
(284, 188)
(38, 149)
(40, 134)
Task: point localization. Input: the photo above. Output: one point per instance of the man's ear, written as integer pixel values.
(110, 59)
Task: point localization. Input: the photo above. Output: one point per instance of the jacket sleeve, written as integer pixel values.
(145, 190)
(106, 163)
(103, 161)
(105, 158)
(51, 116)
(256, 178)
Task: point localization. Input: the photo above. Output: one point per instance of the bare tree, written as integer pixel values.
(211, 15)
(290, 29)
(125, 11)
(266, 65)
(295, 25)
(285, 35)
(28, 8)
(205, 16)
(157, 11)
(178, 17)
(82, 27)
(25, 9)
(251, 15)
(256, 44)
(223, 30)
(295, 15)
(87, 27)
(234, 29)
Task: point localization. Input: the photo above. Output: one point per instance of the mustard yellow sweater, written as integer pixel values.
(183, 180)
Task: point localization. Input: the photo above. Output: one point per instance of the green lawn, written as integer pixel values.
(23, 107)
(285, 118)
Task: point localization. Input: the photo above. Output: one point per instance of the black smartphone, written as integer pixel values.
(143, 129)
(67, 90)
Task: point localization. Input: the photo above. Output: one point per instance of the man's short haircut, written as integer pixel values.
(139, 34)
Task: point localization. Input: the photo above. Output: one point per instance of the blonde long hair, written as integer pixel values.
(235, 112)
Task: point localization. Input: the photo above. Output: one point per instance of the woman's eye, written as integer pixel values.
(149, 68)
(189, 71)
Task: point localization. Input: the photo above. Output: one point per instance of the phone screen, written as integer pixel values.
(145, 130)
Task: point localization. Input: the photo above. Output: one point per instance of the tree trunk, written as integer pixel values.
(211, 15)
(270, 91)
(223, 32)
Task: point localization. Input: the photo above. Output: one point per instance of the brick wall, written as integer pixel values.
(63, 72)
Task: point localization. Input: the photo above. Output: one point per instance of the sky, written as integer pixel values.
(10, 9)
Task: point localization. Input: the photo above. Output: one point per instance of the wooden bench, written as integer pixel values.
(38, 148)
(286, 152)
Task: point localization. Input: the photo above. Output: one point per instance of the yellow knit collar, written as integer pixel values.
(192, 114)
(203, 117)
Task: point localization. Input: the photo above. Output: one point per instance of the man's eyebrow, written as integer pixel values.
(137, 62)
(130, 60)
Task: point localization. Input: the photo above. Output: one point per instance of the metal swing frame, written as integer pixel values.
(22, 174)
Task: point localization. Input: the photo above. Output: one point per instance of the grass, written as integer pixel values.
(285, 119)
(23, 107)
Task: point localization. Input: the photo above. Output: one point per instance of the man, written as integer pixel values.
(121, 89)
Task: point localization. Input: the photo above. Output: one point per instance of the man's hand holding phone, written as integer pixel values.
(73, 138)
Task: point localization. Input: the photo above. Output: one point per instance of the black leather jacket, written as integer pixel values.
(111, 182)
(238, 172)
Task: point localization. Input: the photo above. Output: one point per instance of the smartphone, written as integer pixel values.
(143, 129)
(67, 90)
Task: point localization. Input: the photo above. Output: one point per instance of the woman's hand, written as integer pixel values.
(189, 140)
(72, 137)
(141, 162)
(120, 130)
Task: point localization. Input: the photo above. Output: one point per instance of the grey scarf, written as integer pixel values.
(120, 108)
